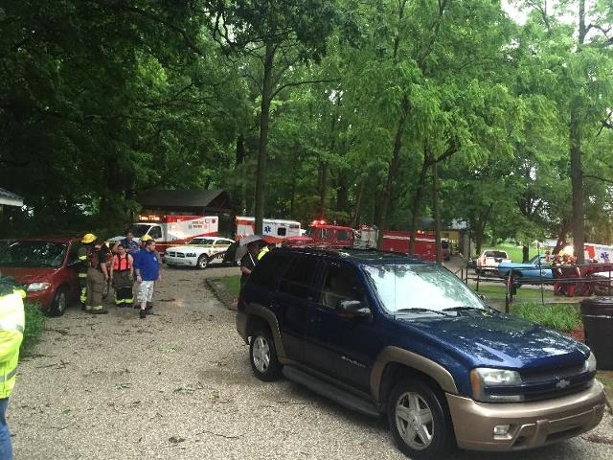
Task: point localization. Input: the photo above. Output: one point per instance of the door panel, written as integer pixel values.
(292, 303)
(339, 345)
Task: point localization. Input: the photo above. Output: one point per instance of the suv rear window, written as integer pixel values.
(297, 281)
(268, 270)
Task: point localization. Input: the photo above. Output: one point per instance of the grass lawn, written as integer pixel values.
(232, 284)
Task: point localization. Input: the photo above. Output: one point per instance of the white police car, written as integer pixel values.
(199, 252)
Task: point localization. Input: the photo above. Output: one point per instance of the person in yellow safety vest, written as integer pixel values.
(12, 325)
(265, 250)
(88, 241)
(97, 275)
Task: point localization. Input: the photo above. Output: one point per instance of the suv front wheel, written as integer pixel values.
(419, 423)
(263, 356)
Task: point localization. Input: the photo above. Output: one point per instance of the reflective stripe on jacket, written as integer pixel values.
(12, 324)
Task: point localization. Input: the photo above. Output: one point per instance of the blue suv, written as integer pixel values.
(387, 334)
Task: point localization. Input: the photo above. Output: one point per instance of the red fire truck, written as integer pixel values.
(322, 235)
(399, 241)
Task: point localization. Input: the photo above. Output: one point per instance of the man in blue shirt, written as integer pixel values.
(128, 243)
(147, 272)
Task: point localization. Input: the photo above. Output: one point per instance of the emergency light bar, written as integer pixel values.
(149, 218)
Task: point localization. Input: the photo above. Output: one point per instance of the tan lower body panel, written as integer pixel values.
(532, 424)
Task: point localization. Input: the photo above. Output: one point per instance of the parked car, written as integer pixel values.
(47, 269)
(198, 253)
(385, 333)
(488, 260)
(536, 270)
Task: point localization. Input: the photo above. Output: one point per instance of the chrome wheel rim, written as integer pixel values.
(202, 262)
(261, 354)
(414, 421)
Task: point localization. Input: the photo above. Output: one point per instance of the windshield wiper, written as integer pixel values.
(462, 308)
(420, 310)
(465, 309)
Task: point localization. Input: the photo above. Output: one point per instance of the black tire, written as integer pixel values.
(203, 262)
(419, 420)
(263, 356)
(60, 302)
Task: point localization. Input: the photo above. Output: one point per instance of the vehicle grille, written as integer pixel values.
(553, 383)
(541, 385)
(179, 255)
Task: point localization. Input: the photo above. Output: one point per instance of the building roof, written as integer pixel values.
(192, 201)
(9, 198)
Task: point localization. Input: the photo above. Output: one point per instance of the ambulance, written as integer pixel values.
(172, 229)
(275, 229)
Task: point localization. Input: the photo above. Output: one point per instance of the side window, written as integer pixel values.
(281, 231)
(73, 254)
(298, 279)
(341, 282)
(155, 232)
(269, 269)
(343, 235)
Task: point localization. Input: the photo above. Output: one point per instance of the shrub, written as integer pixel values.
(35, 323)
(561, 317)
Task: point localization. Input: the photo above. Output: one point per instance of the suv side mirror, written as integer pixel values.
(354, 308)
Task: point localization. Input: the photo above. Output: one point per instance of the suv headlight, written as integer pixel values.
(495, 385)
(590, 363)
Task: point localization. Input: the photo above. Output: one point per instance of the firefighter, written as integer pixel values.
(88, 240)
(97, 274)
(12, 324)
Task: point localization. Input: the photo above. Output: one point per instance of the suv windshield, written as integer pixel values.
(423, 288)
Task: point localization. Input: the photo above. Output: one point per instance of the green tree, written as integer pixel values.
(278, 34)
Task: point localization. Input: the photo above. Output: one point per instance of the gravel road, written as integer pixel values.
(178, 385)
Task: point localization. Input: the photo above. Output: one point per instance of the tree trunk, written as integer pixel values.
(417, 199)
(260, 181)
(576, 173)
(388, 188)
(322, 185)
(437, 213)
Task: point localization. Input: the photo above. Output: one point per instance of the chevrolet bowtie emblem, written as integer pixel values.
(562, 383)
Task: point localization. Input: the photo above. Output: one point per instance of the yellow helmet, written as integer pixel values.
(88, 238)
(145, 238)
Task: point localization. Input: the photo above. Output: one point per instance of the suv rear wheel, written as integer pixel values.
(263, 356)
(419, 422)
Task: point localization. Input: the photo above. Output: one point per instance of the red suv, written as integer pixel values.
(47, 269)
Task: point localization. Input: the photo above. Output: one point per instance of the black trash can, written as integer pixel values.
(597, 316)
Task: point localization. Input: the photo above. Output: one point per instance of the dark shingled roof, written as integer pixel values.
(193, 201)
(9, 198)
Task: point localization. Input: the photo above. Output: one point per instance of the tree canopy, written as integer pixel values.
(389, 113)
